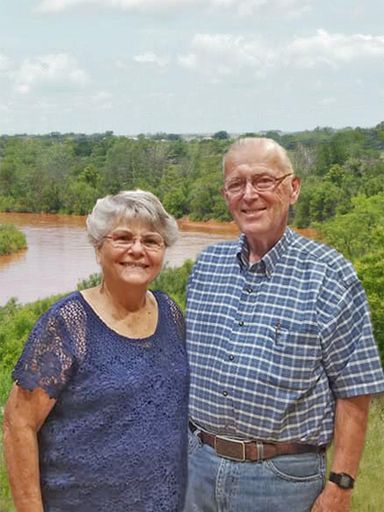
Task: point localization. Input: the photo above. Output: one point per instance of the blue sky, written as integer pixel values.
(190, 66)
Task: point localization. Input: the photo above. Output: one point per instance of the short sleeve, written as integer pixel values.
(47, 360)
(176, 316)
(350, 354)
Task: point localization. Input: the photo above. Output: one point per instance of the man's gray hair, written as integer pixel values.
(268, 151)
(127, 206)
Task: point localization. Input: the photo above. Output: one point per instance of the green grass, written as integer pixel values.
(11, 239)
(368, 495)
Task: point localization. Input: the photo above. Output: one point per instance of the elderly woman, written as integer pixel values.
(97, 419)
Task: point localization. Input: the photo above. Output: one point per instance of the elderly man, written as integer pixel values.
(281, 353)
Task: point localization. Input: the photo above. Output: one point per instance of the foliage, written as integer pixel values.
(173, 281)
(67, 173)
(89, 282)
(359, 231)
(370, 269)
(11, 239)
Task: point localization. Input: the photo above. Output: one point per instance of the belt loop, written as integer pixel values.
(260, 450)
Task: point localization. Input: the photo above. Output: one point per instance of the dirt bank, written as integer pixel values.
(213, 226)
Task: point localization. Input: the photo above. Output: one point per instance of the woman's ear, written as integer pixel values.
(98, 258)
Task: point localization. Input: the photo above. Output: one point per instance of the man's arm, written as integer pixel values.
(25, 413)
(348, 443)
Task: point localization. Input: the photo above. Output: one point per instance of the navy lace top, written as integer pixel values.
(115, 441)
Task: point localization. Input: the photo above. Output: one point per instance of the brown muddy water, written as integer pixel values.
(59, 255)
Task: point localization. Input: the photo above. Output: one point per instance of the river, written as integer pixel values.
(59, 255)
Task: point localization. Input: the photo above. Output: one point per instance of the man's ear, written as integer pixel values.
(295, 191)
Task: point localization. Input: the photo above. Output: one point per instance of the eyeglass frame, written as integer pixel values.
(129, 244)
(245, 181)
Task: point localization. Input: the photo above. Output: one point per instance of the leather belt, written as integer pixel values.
(252, 451)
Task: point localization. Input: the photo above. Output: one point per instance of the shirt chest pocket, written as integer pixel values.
(288, 359)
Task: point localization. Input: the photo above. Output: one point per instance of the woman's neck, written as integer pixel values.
(123, 301)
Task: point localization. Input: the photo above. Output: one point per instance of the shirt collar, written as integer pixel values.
(268, 262)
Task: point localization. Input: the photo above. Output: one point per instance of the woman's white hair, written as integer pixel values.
(127, 206)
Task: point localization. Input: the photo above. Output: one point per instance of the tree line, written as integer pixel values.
(66, 173)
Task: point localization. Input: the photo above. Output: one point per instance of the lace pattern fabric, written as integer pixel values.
(116, 437)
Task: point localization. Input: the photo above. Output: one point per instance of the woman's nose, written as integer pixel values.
(136, 246)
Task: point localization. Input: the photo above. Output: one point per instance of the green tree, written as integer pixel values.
(370, 269)
(360, 231)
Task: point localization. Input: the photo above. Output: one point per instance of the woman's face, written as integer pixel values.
(132, 253)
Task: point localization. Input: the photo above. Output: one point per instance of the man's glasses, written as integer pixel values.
(260, 183)
(152, 242)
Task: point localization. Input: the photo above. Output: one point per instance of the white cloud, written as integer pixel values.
(332, 49)
(327, 101)
(241, 7)
(102, 100)
(4, 63)
(150, 58)
(225, 54)
(58, 70)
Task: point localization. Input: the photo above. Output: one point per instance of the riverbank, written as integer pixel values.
(229, 228)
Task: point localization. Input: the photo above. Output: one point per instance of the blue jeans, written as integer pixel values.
(288, 483)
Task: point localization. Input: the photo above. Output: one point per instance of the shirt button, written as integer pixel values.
(225, 393)
(231, 357)
(241, 323)
(249, 289)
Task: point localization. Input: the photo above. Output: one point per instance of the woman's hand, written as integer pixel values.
(24, 415)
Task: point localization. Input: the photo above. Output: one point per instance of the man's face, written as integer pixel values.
(262, 215)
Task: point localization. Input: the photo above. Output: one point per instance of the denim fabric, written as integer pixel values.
(288, 483)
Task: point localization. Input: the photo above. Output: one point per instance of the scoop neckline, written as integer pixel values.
(110, 329)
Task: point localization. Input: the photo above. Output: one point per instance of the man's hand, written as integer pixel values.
(333, 499)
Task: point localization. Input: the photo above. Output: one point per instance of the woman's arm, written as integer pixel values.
(25, 413)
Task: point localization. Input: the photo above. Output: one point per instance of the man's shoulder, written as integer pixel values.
(219, 251)
(318, 254)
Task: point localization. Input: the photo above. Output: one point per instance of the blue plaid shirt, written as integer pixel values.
(272, 345)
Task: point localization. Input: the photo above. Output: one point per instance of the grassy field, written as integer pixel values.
(368, 495)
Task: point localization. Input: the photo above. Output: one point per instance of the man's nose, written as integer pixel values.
(249, 190)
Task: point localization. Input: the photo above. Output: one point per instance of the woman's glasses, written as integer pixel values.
(153, 242)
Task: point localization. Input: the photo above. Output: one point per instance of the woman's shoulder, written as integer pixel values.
(171, 310)
(66, 306)
(66, 315)
(164, 300)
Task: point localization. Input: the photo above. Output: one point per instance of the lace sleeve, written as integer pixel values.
(47, 359)
(176, 316)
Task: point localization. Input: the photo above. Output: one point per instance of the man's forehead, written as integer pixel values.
(247, 154)
(249, 167)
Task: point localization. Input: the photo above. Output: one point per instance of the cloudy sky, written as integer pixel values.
(190, 66)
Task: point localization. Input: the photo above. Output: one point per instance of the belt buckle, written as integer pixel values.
(238, 456)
